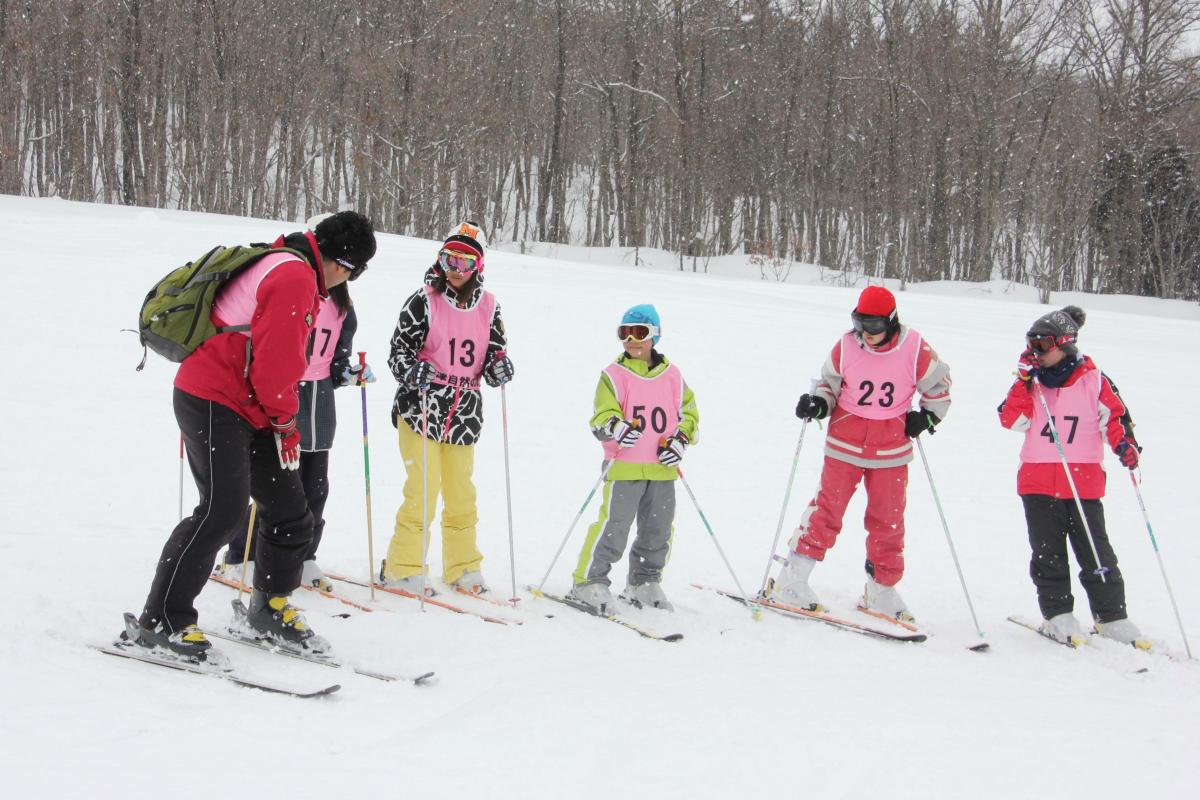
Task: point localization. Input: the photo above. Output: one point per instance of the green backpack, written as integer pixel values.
(177, 312)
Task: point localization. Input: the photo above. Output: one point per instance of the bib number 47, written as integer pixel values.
(1070, 434)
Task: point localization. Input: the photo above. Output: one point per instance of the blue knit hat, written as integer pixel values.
(643, 314)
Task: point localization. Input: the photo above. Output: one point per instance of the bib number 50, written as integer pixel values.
(658, 418)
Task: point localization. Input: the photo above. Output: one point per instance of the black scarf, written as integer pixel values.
(1054, 377)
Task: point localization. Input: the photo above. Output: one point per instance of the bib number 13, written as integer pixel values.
(465, 352)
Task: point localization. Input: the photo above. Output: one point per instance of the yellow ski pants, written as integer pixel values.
(450, 467)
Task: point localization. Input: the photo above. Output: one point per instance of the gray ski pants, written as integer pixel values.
(652, 505)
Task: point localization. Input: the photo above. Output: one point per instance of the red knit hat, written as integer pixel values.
(876, 301)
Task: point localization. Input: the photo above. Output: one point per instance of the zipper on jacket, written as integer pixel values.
(313, 438)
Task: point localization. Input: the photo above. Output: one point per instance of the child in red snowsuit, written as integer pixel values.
(866, 388)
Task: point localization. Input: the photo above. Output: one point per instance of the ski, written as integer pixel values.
(569, 603)
(240, 634)
(433, 601)
(492, 600)
(796, 612)
(221, 579)
(129, 650)
(1024, 623)
(908, 626)
(978, 647)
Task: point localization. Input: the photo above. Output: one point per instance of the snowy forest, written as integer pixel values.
(1047, 142)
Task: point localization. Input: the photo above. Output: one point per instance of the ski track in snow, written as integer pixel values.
(571, 704)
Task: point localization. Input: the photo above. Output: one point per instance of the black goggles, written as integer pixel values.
(354, 269)
(865, 323)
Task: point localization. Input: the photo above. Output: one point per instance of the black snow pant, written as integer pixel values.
(314, 475)
(231, 462)
(1052, 523)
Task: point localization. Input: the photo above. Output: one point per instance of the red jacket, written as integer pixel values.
(287, 302)
(1016, 413)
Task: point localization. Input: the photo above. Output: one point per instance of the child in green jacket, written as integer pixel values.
(645, 416)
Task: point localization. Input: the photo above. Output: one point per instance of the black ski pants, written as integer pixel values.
(1052, 523)
(314, 475)
(231, 462)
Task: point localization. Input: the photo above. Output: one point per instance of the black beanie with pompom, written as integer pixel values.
(1063, 325)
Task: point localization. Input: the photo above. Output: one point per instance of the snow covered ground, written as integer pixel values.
(570, 705)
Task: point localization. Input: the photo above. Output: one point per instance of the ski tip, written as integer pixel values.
(982, 647)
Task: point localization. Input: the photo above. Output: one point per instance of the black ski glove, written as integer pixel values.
(811, 407)
(499, 371)
(419, 375)
(670, 452)
(917, 422)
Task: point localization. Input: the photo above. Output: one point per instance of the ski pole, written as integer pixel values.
(762, 592)
(574, 522)
(1102, 571)
(424, 487)
(246, 551)
(603, 476)
(755, 610)
(1163, 569)
(362, 362)
(512, 558)
(946, 527)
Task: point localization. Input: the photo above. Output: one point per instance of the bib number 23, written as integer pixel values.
(887, 391)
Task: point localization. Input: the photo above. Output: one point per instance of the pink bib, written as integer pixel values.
(879, 385)
(322, 342)
(236, 303)
(654, 402)
(457, 341)
(1076, 410)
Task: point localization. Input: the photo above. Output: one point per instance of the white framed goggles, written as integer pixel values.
(636, 332)
(458, 261)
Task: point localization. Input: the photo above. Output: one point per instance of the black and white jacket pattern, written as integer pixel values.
(462, 408)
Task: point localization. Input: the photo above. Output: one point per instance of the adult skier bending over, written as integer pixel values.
(1087, 412)
(866, 388)
(235, 400)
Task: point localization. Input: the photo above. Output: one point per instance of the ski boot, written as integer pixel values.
(885, 600)
(275, 619)
(1064, 628)
(791, 587)
(1123, 631)
(238, 573)
(314, 577)
(188, 644)
(647, 595)
(472, 582)
(409, 583)
(595, 596)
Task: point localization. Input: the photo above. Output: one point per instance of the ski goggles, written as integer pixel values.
(1045, 342)
(355, 270)
(457, 261)
(636, 333)
(866, 323)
